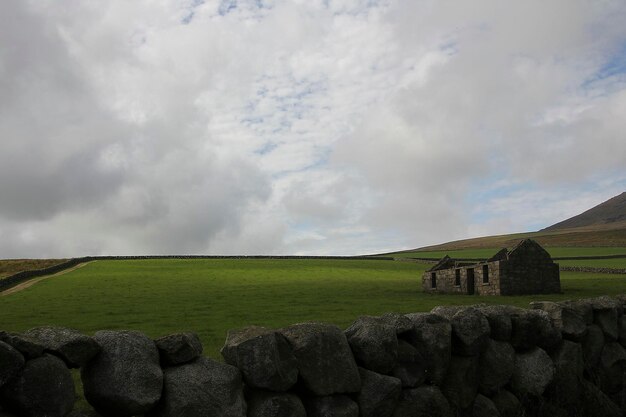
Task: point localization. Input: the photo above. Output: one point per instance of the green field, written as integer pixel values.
(209, 297)
(618, 263)
(488, 252)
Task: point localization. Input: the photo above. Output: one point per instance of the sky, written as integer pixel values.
(303, 127)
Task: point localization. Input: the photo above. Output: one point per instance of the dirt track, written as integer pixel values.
(26, 284)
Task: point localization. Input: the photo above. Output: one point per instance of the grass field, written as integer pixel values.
(209, 297)
(488, 252)
(619, 263)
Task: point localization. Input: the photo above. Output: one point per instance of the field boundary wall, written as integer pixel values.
(554, 359)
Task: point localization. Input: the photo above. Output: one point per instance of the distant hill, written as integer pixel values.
(603, 225)
(610, 213)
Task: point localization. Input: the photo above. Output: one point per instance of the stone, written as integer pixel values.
(582, 307)
(274, 404)
(203, 387)
(11, 361)
(410, 367)
(622, 332)
(324, 358)
(596, 403)
(499, 318)
(612, 369)
(592, 344)
(606, 315)
(75, 348)
(331, 406)
(507, 404)
(264, 357)
(484, 407)
(379, 394)
(179, 348)
(447, 311)
(83, 413)
(470, 329)
(566, 319)
(566, 389)
(533, 328)
(425, 401)
(398, 321)
(43, 388)
(374, 344)
(496, 366)
(125, 378)
(27, 346)
(432, 337)
(534, 371)
(461, 383)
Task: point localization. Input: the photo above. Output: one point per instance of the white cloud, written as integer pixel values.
(301, 126)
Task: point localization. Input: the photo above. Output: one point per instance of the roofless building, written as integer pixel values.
(525, 269)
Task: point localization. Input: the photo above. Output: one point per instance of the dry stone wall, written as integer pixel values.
(554, 359)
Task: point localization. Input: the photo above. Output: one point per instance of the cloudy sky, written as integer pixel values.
(303, 126)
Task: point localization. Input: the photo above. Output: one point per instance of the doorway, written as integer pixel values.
(470, 281)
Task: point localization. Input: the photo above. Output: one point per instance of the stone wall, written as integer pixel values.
(555, 359)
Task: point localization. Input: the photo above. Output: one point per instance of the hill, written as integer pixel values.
(601, 226)
(610, 213)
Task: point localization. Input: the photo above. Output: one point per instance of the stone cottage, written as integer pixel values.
(525, 269)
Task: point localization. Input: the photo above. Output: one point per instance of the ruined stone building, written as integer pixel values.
(525, 269)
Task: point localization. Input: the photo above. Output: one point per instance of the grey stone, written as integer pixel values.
(264, 357)
(612, 369)
(582, 307)
(179, 348)
(499, 318)
(203, 387)
(534, 371)
(274, 404)
(379, 394)
(461, 383)
(83, 413)
(447, 311)
(125, 378)
(566, 389)
(425, 401)
(470, 329)
(43, 388)
(496, 366)
(432, 337)
(592, 343)
(596, 403)
(606, 314)
(484, 407)
(11, 361)
(622, 332)
(410, 368)
(374, 344)
(331, 406)
(507, 404)
(566, 319)
(324, 358)
(533, 328)
(75, 348)
(398, 321)
(27, 346)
